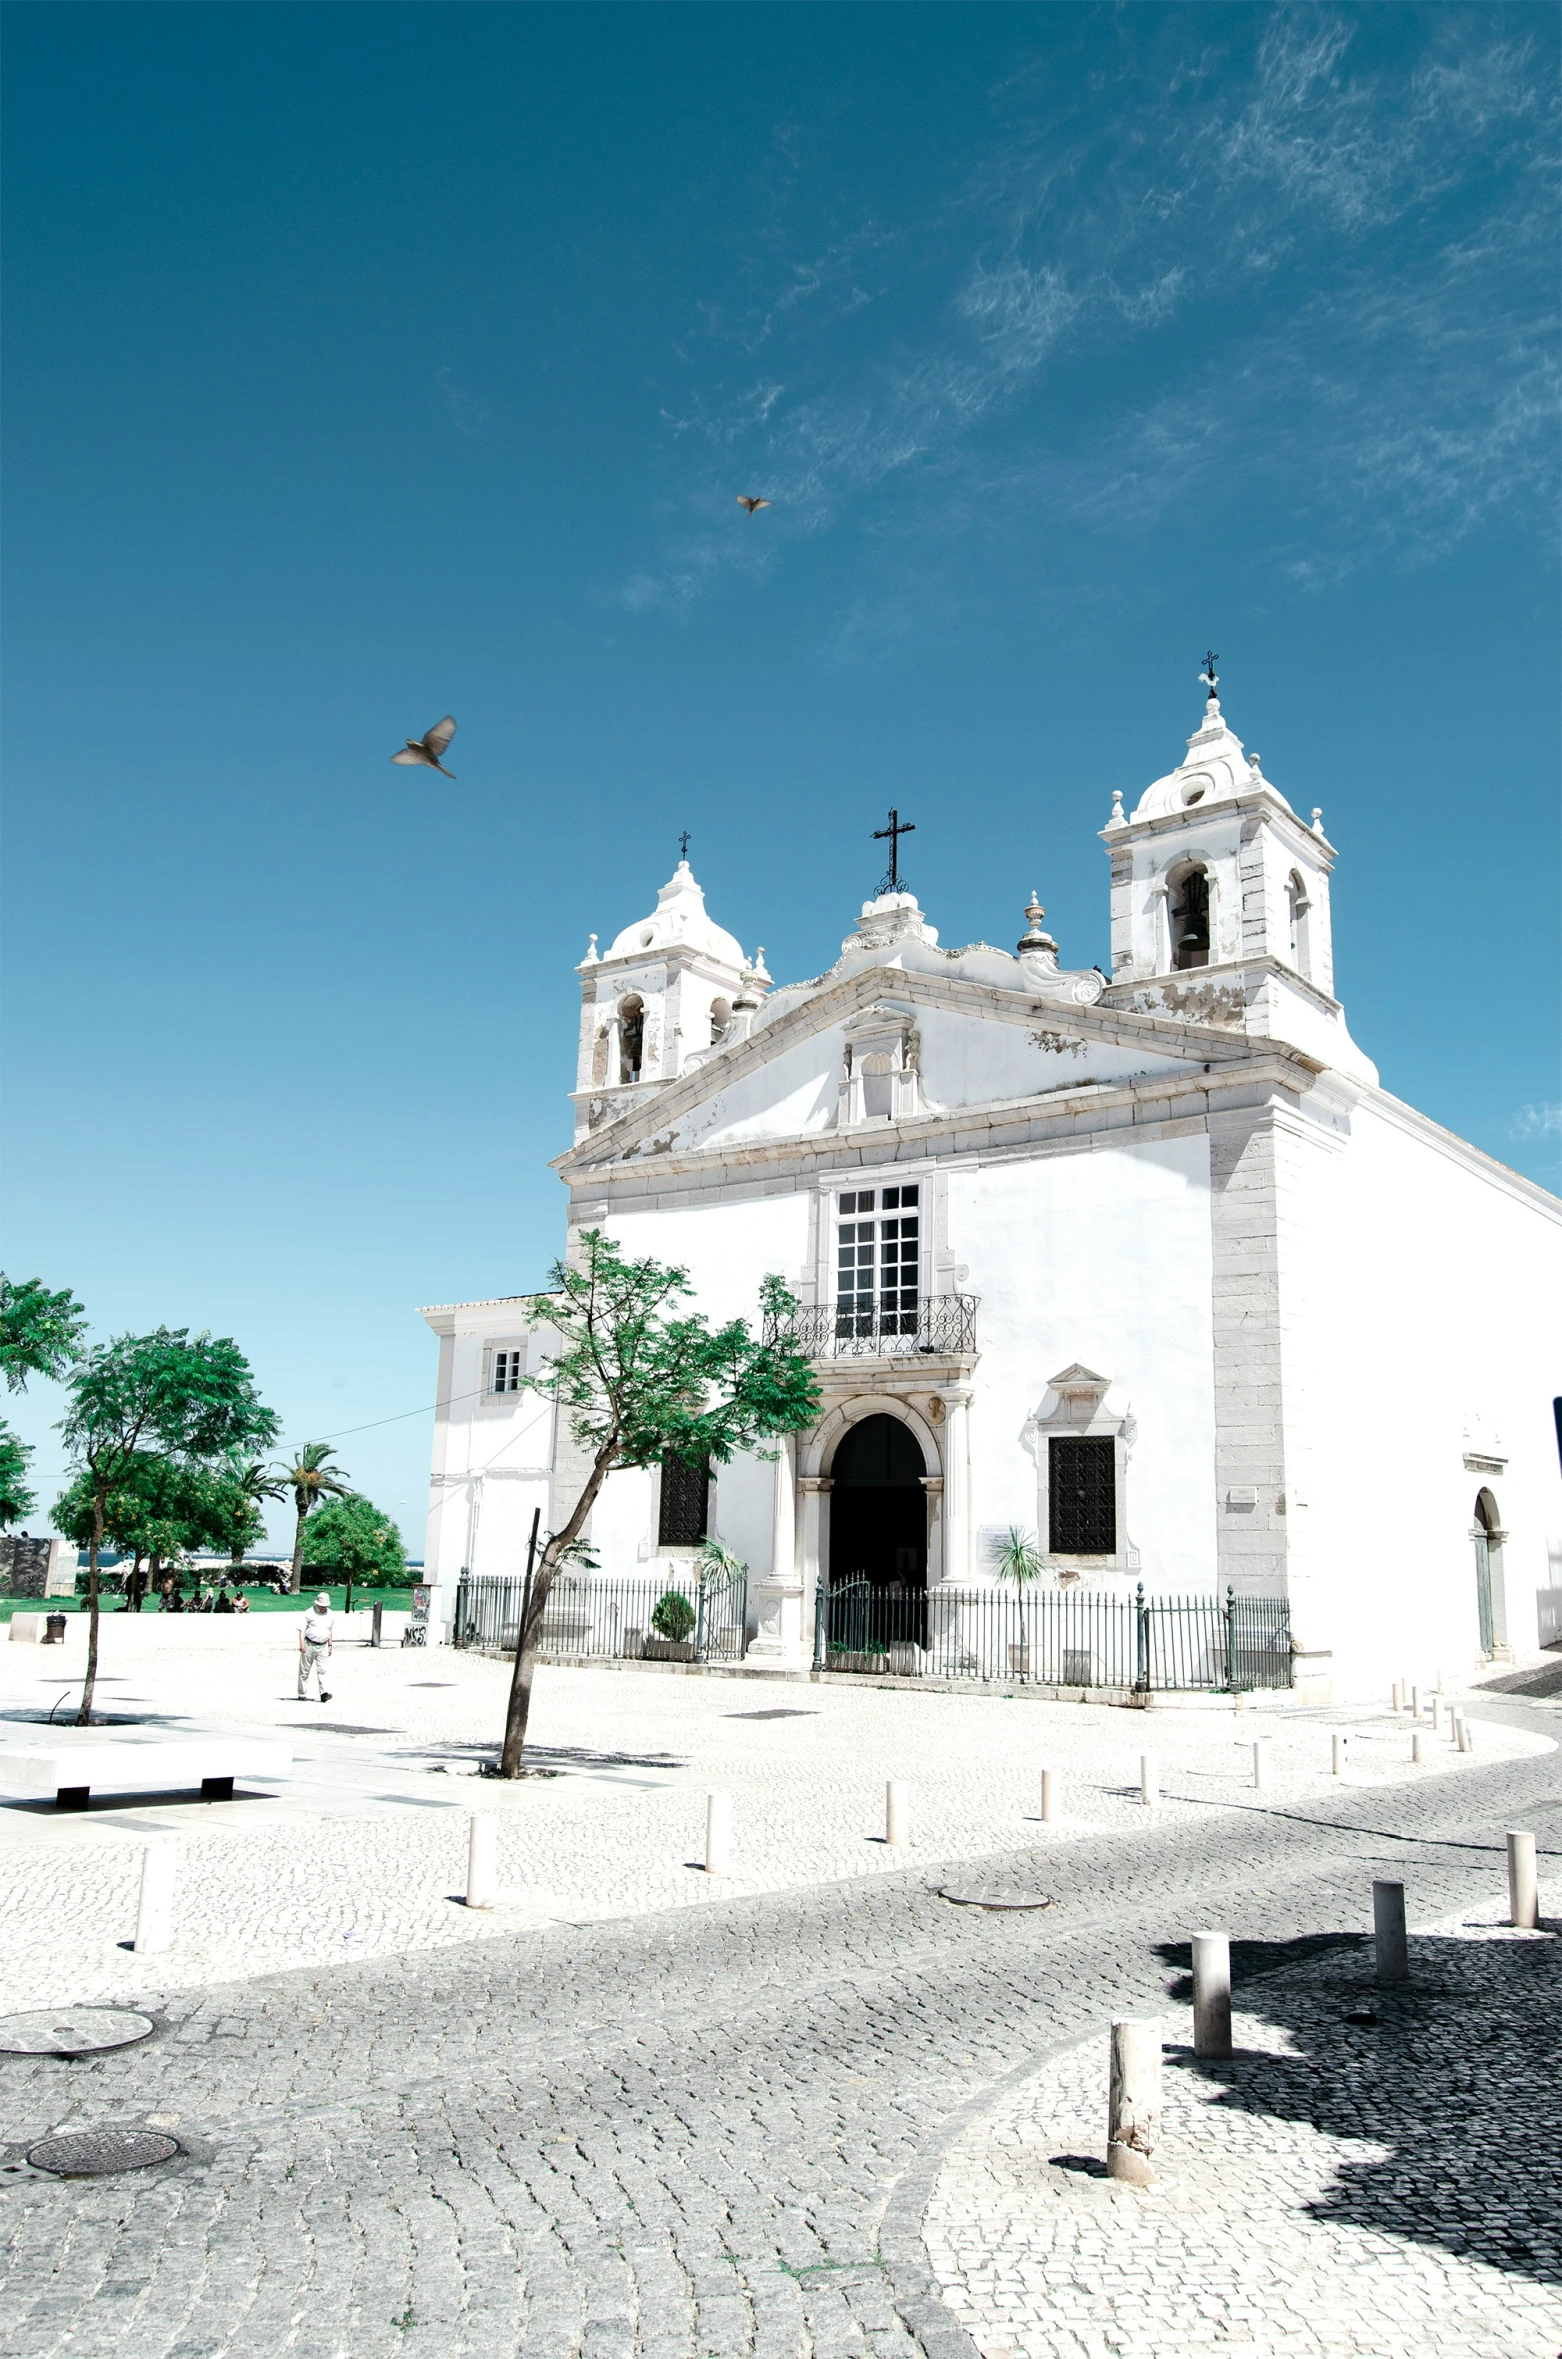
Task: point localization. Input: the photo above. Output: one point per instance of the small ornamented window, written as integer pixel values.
(507, 1369)
(685, 1502)
(1082, 1495)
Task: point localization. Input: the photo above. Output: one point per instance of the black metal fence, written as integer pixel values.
(671, 1617)
(1055, 1638)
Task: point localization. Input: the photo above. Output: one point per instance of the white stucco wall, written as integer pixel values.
(1429, 1327)
(1102, 1258)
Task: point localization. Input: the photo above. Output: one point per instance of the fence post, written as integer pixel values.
(1231, 1638)
(821, 1611)
(1142, 1644)
(699, 1619)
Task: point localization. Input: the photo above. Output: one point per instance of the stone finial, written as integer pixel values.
(590, 959)
(1317, 819)
(1117, 819)
(1254, 765)
(760, 974)
(1033, 942)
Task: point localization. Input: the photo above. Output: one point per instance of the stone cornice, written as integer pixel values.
(1264, 963)
(1265, 801)
(1080, 1117)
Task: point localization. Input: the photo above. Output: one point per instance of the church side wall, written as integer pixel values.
(1104, 1258)
(1425, 1336)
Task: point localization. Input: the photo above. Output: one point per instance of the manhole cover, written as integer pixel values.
(74, 2031)
(91, 2154)
(993, 1896)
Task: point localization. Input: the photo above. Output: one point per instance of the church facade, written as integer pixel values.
(1147, 1265)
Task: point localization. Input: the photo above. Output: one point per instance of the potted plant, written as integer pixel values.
(672, 1618)
(1016, 1558)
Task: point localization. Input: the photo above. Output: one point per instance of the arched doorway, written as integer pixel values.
(1490, 1603)
(878, 1508)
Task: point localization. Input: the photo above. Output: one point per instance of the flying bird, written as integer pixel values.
(427, 750)
(745, 501)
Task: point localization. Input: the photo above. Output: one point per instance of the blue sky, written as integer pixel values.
(371, 362)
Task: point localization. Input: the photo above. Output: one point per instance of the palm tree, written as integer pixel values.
(1015, 1556)
(247, 1481)
(310, 1480)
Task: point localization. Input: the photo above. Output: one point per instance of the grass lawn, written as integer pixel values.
(261, 1601)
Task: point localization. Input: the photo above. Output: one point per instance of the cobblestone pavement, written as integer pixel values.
(1367, 2190)
(687, 2133)
(363, 1851)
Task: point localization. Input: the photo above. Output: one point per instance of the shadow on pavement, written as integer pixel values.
(1541, 1679)
(1455, 2078)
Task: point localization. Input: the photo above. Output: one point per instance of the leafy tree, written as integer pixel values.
(190, 1398)
(352, 1536)
(635, 1380)
(157, 1507)
(673, 1616)
(16, 1500)
(40, 1332)
(311, 1481)
(238, 1486)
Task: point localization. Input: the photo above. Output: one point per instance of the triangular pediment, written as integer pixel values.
(943, 1047)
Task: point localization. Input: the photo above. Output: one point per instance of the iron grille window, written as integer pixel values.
(1082, 1495)
(878, 1259)
(685, 1502)
(507, 1371)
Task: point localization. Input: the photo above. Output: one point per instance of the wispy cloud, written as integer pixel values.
(1538, 1122)
(1324, 274)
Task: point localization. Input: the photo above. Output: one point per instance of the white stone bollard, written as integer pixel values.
(27, 1627)
(1211, 1994)
(1051, 1796)
(1262, 1753)
(1437, 1715)
(1391, 1947)
(1149, 1780)
(482, 1859)
(1415, 1703)
(1397, 1698)
(1523, 1887)
(1133, 2123)
(718, 1833)
(155, 1914)
(897, 1815)
(1466, 1733)
(1418, 1746)
(1442, 1691)
(1341, 1750)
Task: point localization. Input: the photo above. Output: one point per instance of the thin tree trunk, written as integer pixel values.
(519, 1710)
(84, 1716)
(296, 1577)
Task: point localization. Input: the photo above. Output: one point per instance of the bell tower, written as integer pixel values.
(1220, 899)
(671, 990)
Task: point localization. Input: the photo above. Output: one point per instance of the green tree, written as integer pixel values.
(352, 1537)
(186, 1397)
(16, 1499)
(40, 1332)
(311, 1481)
(635, 1380)
(157, 1507)
(239, 1484)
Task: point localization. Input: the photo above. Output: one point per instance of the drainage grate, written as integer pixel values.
(92, 2154)
(993, 1896)
(73, 2031)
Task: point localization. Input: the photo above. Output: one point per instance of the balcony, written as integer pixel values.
(942, 1326)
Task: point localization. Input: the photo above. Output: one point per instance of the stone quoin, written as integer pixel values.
(1148, 1265)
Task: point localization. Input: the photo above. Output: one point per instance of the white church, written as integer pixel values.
(1147, 1266)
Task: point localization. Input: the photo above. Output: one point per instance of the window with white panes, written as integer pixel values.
(507, 1370)
(878, 1257)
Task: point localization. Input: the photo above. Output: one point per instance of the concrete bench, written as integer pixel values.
(73, 1763)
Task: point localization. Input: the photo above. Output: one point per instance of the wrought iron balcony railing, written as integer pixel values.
(939, 1324)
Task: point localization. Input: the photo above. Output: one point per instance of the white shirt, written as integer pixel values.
(317, 1627)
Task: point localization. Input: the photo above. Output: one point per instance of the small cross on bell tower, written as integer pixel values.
(892, 881)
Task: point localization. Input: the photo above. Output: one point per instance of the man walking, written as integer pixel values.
(314, 1649)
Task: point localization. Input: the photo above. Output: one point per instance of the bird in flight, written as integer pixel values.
(746, 500)
(427, 750)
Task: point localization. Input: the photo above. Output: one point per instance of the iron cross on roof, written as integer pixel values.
(1208, 675)
(683, 845)
(896, 829)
